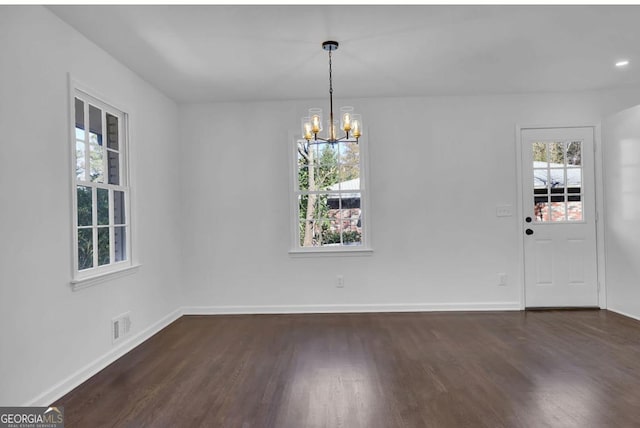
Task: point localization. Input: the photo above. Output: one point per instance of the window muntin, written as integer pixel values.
(329, 190)
(101, 192)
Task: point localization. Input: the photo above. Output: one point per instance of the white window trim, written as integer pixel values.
(100, 274)
(296, 251)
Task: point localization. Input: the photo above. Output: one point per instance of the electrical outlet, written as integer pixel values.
(502, 279)
(340, 281)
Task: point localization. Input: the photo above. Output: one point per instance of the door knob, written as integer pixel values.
(529, 232)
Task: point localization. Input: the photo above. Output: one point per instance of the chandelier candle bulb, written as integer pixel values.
(346, 118)
(306, 128)
(356, 126)
(316, 123)
(316, 119)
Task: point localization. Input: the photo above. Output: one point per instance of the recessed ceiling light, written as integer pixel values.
(622, 63)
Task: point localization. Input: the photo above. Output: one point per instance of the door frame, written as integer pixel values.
(599, 202)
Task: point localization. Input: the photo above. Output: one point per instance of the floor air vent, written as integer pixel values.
(120, 327)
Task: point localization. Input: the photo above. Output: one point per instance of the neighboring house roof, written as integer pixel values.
(353, 184)
(556, 176)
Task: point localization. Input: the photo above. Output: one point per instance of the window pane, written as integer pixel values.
(303, 178)
(574, 153)
(113, 159)
(326, 175)
(350, 173)
(313, 151)
(556, 154)
(540, 178)
(541, 211)
(118, 208)
(539, 153)
(85, 248)
(351, 220)
(309, 233)
(556, 177)
(112, 132)
(103, 246)
(95, 125)
(96, 166)
(574, 211)
(84, 201)
(119, 243)
(352, 237)
(574, 177)
(80, 161)
(558, 211)
(103, 205)
(304, 229)
(79, 111)
(349, 153)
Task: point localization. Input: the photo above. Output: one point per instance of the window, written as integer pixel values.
(101, 220)
(557, 181)
(330, 197)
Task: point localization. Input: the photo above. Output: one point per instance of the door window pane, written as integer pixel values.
(541, 211)
(556, 153)
(574, 211)
(540, 178)
(574, 153)
(558, 211)
(539, 152)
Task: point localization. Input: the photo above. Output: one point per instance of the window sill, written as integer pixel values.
(79, 284)
(331, 252)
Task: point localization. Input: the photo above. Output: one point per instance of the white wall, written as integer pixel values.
(47, 331)
(622, 205)
(438, 167)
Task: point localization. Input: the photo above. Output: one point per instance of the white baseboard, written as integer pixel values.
(80, 376)
(350, 308)
(635, 317)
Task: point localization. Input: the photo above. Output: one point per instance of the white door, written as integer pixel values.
(559, 230)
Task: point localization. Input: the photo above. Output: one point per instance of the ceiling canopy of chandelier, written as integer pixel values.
(350, 123)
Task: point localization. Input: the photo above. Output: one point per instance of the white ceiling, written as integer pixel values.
(240, 53)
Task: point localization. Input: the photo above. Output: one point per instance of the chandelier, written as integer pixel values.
(350, 123)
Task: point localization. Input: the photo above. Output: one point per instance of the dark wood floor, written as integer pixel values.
(496, 369)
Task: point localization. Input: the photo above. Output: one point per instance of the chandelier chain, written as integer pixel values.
(330, 90)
